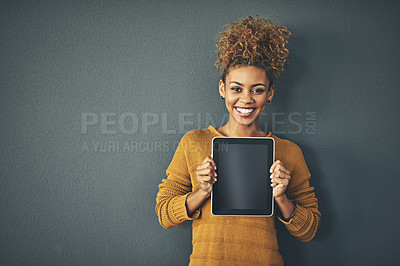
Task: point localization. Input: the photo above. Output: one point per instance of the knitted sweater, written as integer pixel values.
(234, 240)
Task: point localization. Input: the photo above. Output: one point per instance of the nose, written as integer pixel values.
(246, 98)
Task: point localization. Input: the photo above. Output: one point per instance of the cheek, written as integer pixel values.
(263, 101)
(263, 104)
(230, 101)
(229, 106)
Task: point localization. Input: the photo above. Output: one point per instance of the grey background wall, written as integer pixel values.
(95, 96)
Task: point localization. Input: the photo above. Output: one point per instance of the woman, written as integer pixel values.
(252, 54)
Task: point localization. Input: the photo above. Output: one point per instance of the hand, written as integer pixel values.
(280, 178)
(206, 175)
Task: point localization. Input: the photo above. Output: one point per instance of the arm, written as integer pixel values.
(305, 219)
(174, 191)
(286, 207)
(195, 200)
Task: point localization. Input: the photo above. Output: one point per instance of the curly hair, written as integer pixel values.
(254, 42)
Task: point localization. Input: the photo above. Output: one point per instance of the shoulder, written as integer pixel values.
(292, 157)
(194, 134)
(201, 134)
(195, 137)
(286, 145)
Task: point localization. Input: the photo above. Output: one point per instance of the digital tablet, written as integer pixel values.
(243, 186)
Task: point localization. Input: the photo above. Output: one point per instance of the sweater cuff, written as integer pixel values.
(179, 209)
(297, 220)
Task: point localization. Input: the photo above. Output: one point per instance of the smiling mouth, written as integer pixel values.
(244, 112)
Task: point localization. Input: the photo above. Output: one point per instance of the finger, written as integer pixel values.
(282, 168)
(206, 171)
(276, 185)
(207, 176)
(204, 165)
(206, 179)
(281, 181)
(280, 174)
(272, 169)
(211, 160)
(205, 183)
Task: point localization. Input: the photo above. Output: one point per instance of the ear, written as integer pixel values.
(271, 93)
(221, 88)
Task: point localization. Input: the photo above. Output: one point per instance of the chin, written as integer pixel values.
(246, 121)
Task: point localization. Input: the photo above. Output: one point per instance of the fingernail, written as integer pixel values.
(215, 174)
(270, 170)
(215, 168)
(270, 176)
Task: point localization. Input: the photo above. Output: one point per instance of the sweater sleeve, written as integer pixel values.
(305, 220)
(173, 191)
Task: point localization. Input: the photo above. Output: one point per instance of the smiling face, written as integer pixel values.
(246, 92)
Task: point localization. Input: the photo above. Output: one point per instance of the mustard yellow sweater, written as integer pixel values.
(234, 240)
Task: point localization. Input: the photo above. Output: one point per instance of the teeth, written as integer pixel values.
(245, 111)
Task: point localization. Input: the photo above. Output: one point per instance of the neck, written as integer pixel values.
(238, 130)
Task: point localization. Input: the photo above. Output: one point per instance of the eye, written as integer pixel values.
(259, 90)
(237, 89)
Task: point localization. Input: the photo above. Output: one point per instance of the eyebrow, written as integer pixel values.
(257, 84)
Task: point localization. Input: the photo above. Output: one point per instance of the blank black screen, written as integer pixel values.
(243, 186)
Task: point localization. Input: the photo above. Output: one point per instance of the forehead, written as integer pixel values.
(247, 74)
